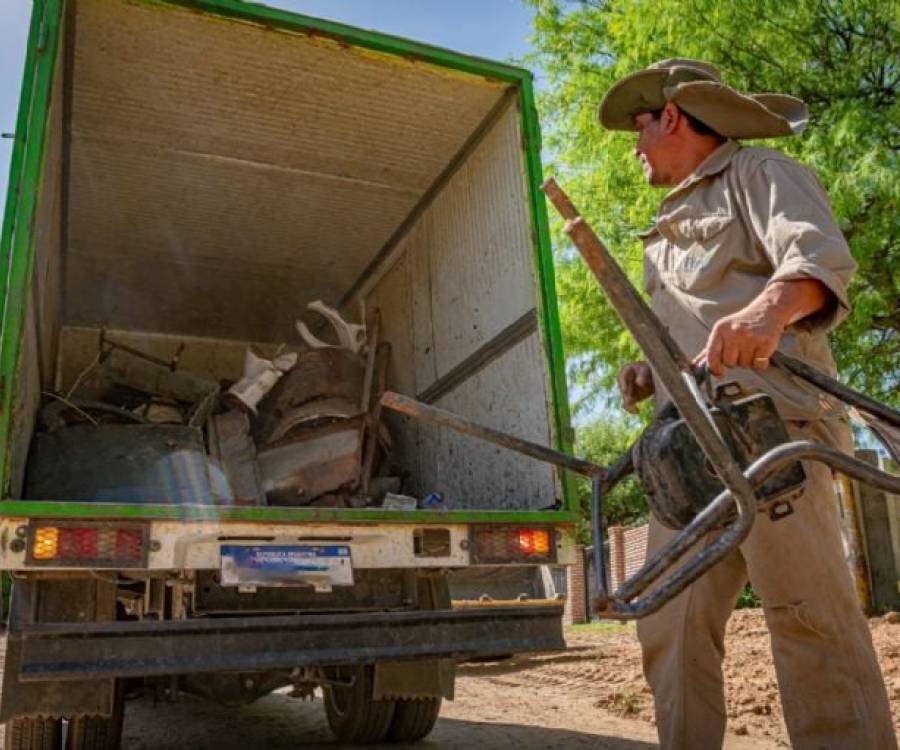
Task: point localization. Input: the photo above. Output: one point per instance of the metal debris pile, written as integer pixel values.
(303, 428)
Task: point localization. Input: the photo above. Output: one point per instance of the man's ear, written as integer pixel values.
(670, 117)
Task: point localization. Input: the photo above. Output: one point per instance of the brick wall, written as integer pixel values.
(576, 590)
(627, 550)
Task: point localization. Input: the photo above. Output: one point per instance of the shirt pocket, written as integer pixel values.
(653, 259)
(702, 253)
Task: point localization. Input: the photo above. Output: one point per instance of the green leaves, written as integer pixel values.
(604, 440)
(838, 55)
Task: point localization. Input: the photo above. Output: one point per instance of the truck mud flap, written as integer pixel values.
(69, 651)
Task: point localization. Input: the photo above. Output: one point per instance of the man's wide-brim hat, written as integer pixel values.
(697, 88)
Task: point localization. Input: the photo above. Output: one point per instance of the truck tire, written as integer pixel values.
(98, 732)
(413, 719)
(353, 715)
(32, 734)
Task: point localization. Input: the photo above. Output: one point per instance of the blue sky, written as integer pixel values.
(497, 29)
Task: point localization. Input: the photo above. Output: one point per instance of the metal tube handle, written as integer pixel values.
(673, 369)
(620, 605)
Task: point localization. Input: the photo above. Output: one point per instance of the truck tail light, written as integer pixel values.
(513, 544)
(95, 545)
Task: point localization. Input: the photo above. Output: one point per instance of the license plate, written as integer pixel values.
(319, 565)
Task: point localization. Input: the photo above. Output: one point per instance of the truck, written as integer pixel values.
(186, 177)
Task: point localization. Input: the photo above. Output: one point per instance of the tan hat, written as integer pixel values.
(697, 88)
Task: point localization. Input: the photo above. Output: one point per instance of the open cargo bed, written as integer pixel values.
(197, 178)
(187, 177)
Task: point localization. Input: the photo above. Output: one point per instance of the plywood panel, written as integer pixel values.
(481, 250)
(509, 395)
(392, 298)
(420, 249)
(469, 261)
(27, 402)
(205, 357)
(179, 79)
(47, 270)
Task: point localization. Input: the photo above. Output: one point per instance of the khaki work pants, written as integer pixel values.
(832, 690)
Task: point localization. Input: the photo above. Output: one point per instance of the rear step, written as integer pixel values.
(72, 651)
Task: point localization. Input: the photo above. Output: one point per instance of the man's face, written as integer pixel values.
(654, 148)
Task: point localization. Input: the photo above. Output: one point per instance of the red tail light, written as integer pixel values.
(95, 545)
(513, 544)
(78, 544)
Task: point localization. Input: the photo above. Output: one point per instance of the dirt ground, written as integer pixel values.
(605, 664)
(590, 696)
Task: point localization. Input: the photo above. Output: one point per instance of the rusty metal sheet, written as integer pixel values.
(320, 375)
(312, 413)
(233, 453)
(325, 459)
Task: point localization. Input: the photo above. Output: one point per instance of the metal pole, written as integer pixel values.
(417, 409)
(836, 388)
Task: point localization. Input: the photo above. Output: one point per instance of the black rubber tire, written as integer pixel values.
(98, 732)
(32, 734)
(413, 719)
(353, 715)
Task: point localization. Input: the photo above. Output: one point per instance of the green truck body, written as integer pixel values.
(192, 173)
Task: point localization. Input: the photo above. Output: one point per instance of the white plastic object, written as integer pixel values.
(350, 335)
(260, 376)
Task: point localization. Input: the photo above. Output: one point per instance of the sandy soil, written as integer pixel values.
(604, 666)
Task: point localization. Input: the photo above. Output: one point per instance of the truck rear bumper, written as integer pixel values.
(63, 651)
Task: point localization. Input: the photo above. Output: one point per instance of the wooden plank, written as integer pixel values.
(879, 545)
(493, 349)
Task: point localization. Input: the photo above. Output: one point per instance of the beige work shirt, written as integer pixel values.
(745, 218)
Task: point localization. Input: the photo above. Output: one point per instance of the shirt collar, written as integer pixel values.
(712, 164)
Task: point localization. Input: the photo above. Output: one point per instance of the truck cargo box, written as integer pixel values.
(187, 177)
(189, 181)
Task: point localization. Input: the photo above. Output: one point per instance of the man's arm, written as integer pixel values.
(811, 266)
(748, 337)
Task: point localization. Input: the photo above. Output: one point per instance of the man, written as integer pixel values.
(745, 257)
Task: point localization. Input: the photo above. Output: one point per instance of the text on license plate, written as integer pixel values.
(318, 565)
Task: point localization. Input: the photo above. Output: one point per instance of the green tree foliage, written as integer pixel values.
(604, 440)
(841, 56)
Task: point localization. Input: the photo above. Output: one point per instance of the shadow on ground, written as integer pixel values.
(278, 722)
